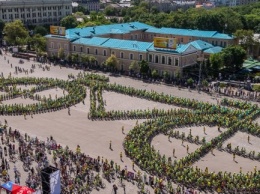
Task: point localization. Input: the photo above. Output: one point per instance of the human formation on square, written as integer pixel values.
(230, 117)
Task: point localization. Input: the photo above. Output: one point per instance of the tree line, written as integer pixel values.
(221, 19)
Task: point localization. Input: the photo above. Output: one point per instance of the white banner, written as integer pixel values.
(55, 185)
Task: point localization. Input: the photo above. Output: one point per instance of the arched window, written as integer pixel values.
(176, 62)
(156, 59)
(163, 59)
(169, 61)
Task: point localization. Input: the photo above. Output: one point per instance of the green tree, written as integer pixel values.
(216, 63)
(84, 59)
(233, 57)
(15, 33)
(92, 59)
(40, 30)
(61, 53)
(166, 75)
(111, 62)
(205, 83)
(144, 67)
(69, 21)
(74, 57)
(134, 67)
(82, 9)
(246, 38)
(190, 81)
(110, 11)
(155, 74)
(38, 43)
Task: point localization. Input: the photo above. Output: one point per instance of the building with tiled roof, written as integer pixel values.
(135, 42)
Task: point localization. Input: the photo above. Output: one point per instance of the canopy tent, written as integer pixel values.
(10, 186)
(23, 190)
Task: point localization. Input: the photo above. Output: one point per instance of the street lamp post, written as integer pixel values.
(200, 60)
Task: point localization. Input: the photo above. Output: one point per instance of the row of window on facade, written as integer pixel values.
(163, 59)
(167, 60)
(47, 19)
(28, 15)
(29, 9)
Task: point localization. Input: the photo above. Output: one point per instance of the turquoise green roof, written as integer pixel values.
(248, 64)
(106, 29)
(189, 32)
(180, 49)
(115, 43)
(95, 41)
(128, 45)
(213, 50)
(201, 45)
(124, 28)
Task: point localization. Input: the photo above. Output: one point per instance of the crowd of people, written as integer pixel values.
(81, 174)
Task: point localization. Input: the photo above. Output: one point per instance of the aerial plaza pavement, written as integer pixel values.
(108, 136)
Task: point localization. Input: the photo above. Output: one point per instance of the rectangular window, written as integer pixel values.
(96, 51)
(131, 56)
(176, 62)
(105, 52)
(81, 49)
(163, 59)
(140, 57)
(74, 48)
(169, 61)
(156, 59)
(150, 58)
(87, 50)
(121, 55)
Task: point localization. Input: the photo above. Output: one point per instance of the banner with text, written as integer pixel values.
(162, 42)
(57, 30)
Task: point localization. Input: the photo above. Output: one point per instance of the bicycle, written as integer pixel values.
(120, 182)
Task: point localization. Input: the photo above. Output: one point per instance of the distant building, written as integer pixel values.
(90, 5)
(33, 12)
(165, 49)
(208, 5)
(233, 3)
(170, 5)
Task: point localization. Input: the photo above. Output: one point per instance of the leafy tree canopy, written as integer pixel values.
(15, 33)
(69, 21)
(40, 30)
(233, 57)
